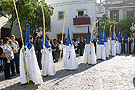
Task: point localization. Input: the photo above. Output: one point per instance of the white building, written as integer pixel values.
(70, 8)
(100, 10)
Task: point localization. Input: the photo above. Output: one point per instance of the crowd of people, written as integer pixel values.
(79, 44)
(10, 47)
(9, 51)
(126, 45)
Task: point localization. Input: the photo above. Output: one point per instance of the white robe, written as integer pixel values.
(69, 58)
(109, 47)
(101, 52)
(120, 47)
(92, 56)
(132, 47)
(113, 49)
(134, 73)
(117, 47)
(32, 65)
(107, 51)
(48, 68)
(126, 47)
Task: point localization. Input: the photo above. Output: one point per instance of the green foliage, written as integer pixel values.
(29, 12)
(125, 24)
(106, 23)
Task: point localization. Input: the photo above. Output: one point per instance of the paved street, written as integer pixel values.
(116, 73)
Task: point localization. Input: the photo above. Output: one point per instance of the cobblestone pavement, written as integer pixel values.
(116, 73)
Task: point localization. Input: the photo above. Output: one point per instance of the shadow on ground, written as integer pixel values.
(59, 74)
(2, 77)
(134, 81)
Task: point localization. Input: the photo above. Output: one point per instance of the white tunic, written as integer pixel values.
(126, 47)
(101, 52)
(120, 47)
(132, 47)
(117, 47)
(113, 49)
(32, 65)
(109, 47)
(92, 56)
(69, 58)
(107, 51)
(48, 68)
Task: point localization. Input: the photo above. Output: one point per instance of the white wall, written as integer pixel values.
(16, 30)
(120, 14)
(61, 1)
(70, 13)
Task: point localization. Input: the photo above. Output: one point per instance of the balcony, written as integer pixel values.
(81, 21)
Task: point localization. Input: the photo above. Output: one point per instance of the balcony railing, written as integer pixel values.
(81, 21)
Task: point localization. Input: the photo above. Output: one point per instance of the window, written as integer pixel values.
(115, 12)
(130, 13)
(60, 15)
(81, 13)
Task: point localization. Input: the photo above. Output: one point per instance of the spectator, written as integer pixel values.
(1, 59)
(9, 56)
(53, 49)
(81, 46)
(38, 51)
(73, 42)
(76, 46)
(20, 44)
(56, 45)
(95, 44)
(15, 47)
(84, 41)
(123, 45)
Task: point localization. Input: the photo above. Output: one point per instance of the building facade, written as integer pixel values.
(78, 14)
(122, 8)
(100, 10)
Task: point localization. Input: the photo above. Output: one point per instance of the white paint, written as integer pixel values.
(67, 1)
(116, 2)
(3, 21)
(70, 7)
(120, 14)
(114, 7)
(108, 13)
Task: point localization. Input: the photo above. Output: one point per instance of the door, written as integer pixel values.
(5, 32)
(59, 36)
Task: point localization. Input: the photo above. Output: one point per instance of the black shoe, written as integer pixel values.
(13, 74)
(8, 78)
(18, 72)
(55, 61)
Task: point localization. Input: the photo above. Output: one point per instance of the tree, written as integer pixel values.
(29, 12)
(125, 24)
(106, 23)
(113, 21)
